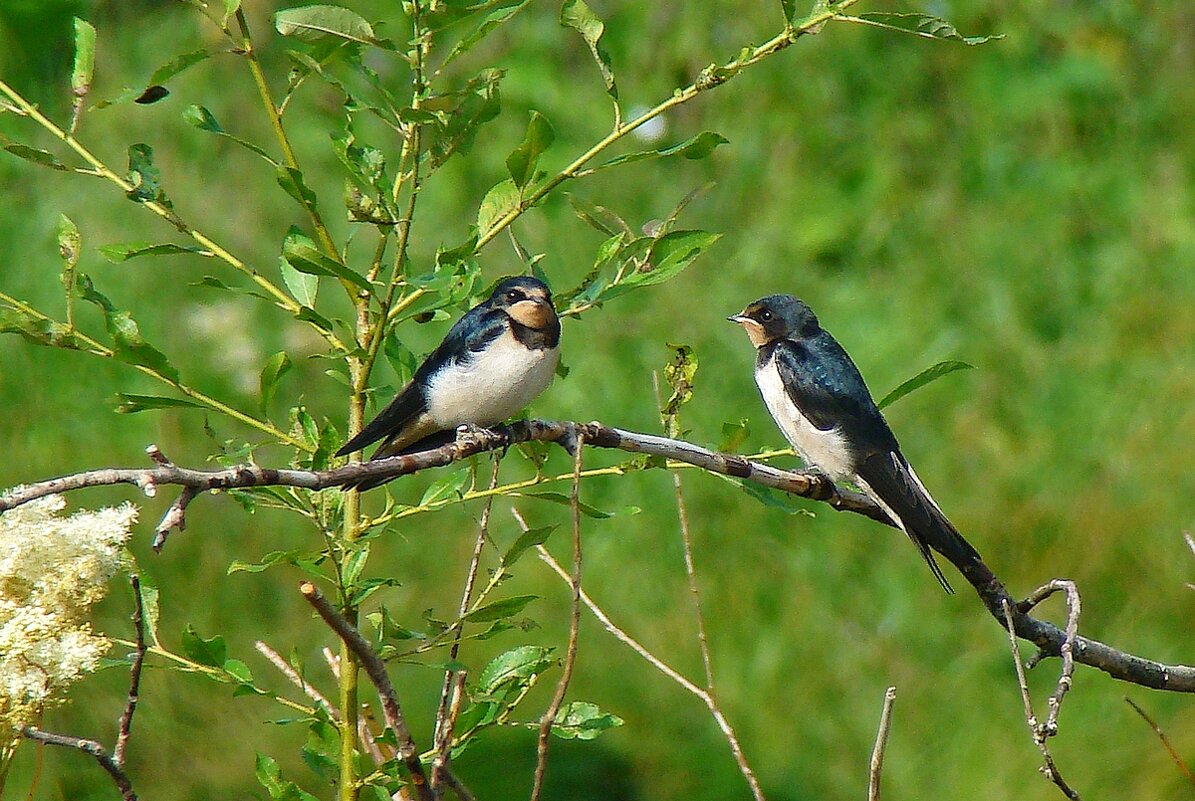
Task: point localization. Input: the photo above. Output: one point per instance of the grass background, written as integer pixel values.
(1025, 206)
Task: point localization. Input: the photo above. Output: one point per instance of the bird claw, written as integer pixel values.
(470, 434)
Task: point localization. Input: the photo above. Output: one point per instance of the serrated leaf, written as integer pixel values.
(301, 253)
(577, 15)
(924, 25)
(697, 147)
(84, 65)
(129, 345)
(212, 652)
(124, 403)
(527, 540)
(123, 251)
(271, 373)
(500, 609)
(516, 665)
(313, 23)
(668, 256)
(303, 286)
(493, 20)
(926, 376)
(502, 198)
(35, 154)
(291, 180)
(582, 720)
(522, 161)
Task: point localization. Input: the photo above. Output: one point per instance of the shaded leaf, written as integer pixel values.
(697, 147)
(527, 540)
(925, 25)
(522, 161)
(301, 253)
(450, 485)
(926, 376)
(70, 243)
(129, 345)
(516, 665)
(599, 217)
(493, 20)
(150, 608)
(204, 120)
(500, 609)
(312, 23)
(144, 175)
(581, 720)
(789, 7)
(36, 330)
(123, 251)
(564, 500)
(212, 652)
(176, 65)
(303, 286)
(38, 156)
(151, 95)
(124, 403)
(577, 15)
(275, 367)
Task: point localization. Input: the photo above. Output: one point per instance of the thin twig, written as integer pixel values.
(454, 680)
(687, 544)
(710, 702)
(574, 627)
(1178, 760)
(126, 718)
(293, 676)
(877, 752)
(88, 747)
(1073, 607)
(1048, 768)
(376, 670)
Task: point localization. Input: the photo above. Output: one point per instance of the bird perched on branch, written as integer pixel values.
(817, 397)
(495, 360)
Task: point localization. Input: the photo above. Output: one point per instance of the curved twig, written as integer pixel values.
(1046, 636)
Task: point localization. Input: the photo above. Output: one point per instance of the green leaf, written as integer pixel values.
(124, 403)
(451, 484)
(129, 345)
(527, 540)
(176, 65)
(269, 776)
(581, 720)
(577, 15)
(313, 23)
(697, 147)
(517, 665)
(564, 500)
(123, 251)
(522, 162)
(36, 330)
(230, 8)
(144, 175)
(503, 198)
(789, 7)
(291, 180)
(668, 256)
(493, 20)
(303, 287)
(151, 610)
(211, 652)
(275, 367)
(84, 66)
(679, 373)
(772, 498)
(203, 119)
(307, 561)
(926, 376)
(301, 253)
(599, 217)
(925, 25)
(70, 243)
(733, 436)
(506, 607)
(38, 156)
(238, 670)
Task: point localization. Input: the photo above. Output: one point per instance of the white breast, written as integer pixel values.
(490, 386)
(826, 450)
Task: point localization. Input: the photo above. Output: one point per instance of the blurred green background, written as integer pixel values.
(1025, 206)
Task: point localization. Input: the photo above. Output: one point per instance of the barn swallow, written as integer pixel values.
(819, 400)
(494, 361)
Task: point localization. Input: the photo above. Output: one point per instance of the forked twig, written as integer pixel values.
(126, 718)
(877, 752)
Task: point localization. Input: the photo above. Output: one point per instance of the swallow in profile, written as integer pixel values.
(495, 360)
(820, 402)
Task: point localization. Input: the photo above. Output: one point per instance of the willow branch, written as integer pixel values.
(1048, 637)
(119, 777)
(876, 767)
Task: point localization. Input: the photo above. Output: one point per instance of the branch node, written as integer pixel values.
(159, 458)
(175, 517)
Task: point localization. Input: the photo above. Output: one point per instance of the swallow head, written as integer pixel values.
(527, 301)
(776, 317)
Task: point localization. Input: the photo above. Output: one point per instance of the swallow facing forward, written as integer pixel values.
(817, 397)
(494, 361)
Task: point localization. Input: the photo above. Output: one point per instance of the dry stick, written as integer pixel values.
(381, 681)
(126, 718)
(877, 752)
(1073, 606)
(710, 702)
(1048, 637)
(1037, 731)
(454, 680)
(574, 626)
(293, 676)
(1178, 760)
(88, 747)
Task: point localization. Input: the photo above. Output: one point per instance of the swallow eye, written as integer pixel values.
(513, 296)
(765, 316)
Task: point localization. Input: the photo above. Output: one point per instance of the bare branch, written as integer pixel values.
(376, 670)
(877, 752)
(1038, 731)
(293, 676)
(1048, 637)
(126, 719)
(1178, 760)
(1073, 607)
(574, 627)
(88, 747)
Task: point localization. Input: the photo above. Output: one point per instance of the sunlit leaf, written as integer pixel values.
(522, 161)
(733, 436)
(926, 376)
(84, 65)
(448, 486)
(577, 15)
(275, 367)
(36, 330)
(303, 286)
(492, 20)
(697, 147)
(527, 540)
(500, 609)
(581, 720)
(211, 652)
(500, 200)
(517, 665)
(291, 180)
(312, 23)
(300, 252)
(679, 373)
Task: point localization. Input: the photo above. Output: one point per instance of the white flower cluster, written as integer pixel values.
(52, 570)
